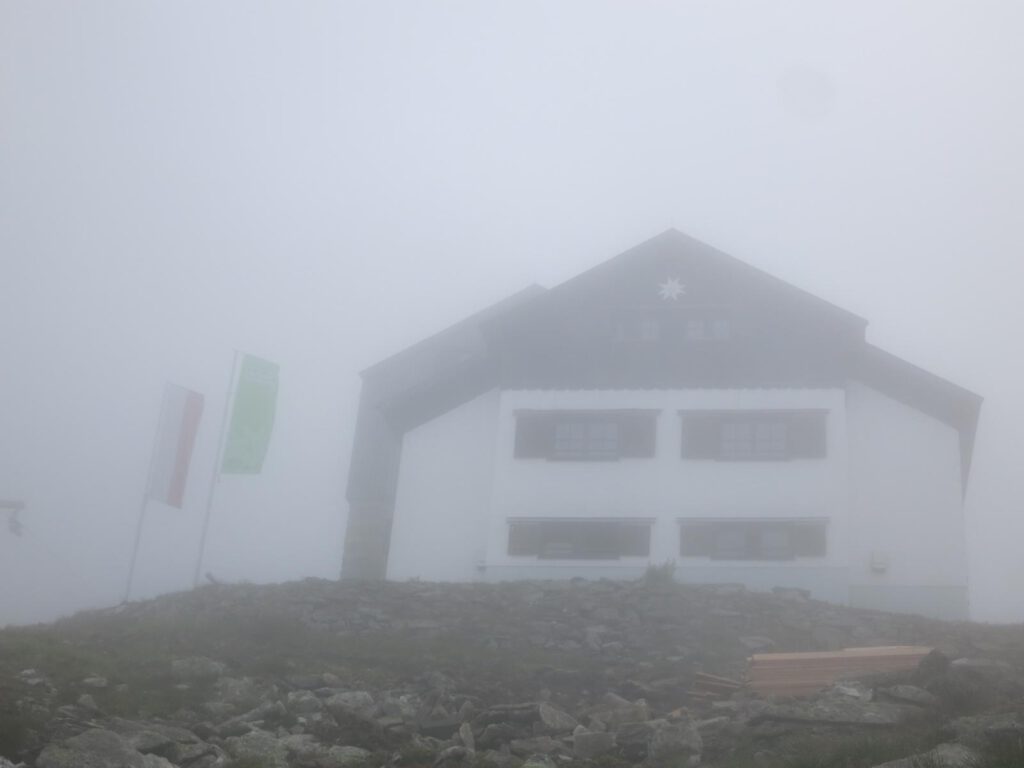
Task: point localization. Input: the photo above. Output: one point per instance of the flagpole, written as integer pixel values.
(138, 541)
(145, 499)
(215, 478)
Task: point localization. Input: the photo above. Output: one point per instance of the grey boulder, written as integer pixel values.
(943, 756)
(97, 748)
(673, 741)
(347, 704)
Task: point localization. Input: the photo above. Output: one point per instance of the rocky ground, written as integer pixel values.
(319, 674)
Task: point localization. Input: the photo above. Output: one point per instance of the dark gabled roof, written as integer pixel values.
(440, 372)
(454, 342)
(926, 392)
(454, 364)
(465, 340)
(675, 245)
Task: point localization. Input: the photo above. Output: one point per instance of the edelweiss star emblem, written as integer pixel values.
(671, 289)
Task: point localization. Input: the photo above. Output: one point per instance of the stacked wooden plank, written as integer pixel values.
(801, 674)
(707, 688)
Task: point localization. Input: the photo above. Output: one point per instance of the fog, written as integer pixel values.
(323, 184)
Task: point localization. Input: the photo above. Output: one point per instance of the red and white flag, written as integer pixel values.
(175, 438)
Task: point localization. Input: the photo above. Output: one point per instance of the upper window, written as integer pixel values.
(650, 329)
(752, 539)
(585, 435)
(754, 435)
(584, 539)
(708, 329)
(586, 440)
(688, 324)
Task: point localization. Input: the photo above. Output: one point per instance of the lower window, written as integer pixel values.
(777, 435)
(579, 539)
(752, 539)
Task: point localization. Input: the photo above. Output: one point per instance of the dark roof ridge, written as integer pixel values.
(676, 235)
(502, 305)
(874, 349)
(766, 275)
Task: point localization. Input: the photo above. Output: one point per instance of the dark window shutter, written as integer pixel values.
(773, 541)
(598, 541)
(636, 540)
(817, 542)
(579, 539)
(753, 539)
(534, 436)
(516, 540)
(696, 539)
(701, 436)
(524, 539)
(807, 435)
(637, 433)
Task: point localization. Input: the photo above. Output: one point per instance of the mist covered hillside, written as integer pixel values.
(314, 674)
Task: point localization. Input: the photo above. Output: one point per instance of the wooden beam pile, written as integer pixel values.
(801, 674)
(708, 688)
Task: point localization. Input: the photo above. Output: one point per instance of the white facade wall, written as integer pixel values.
(667, 488)
(889, 488)
(906, 501)
(443, 496)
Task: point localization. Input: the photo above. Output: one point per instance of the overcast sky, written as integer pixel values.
(323, 183)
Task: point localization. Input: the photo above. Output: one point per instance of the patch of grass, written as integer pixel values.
(412, 756)
(1006, 754)
(480, 762)
(833, 750)
(660, 575)
(861, 751)
(250, 762)
(964, 692)
(610, 761)
(134, 651)
(14, 728)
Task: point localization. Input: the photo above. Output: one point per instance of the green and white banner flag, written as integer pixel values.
(252, 417)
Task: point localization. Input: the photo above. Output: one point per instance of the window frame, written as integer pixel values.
(580, 440)
(602, 435)
(743, 539)
(707, 329)
(750, 435)
(577, 550)
(657, 327)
